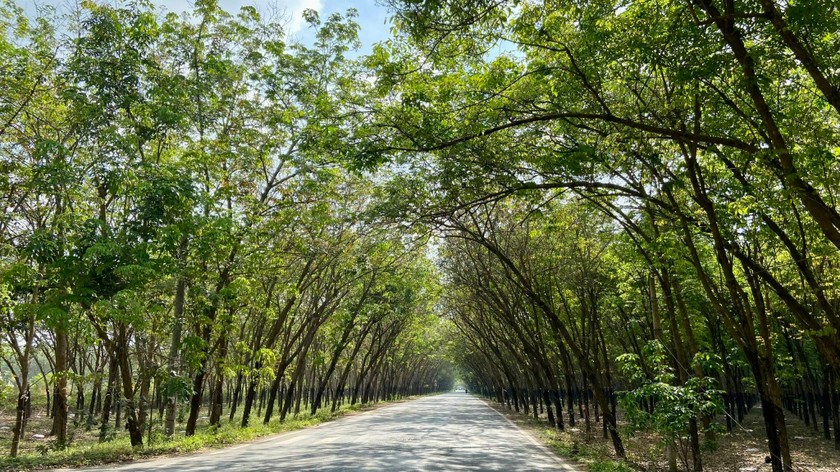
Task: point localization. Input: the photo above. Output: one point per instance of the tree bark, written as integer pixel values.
(174, 361)
(59, 425)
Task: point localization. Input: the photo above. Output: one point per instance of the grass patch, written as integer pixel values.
(593, 456)
(591, 453)
(609, 466)
(90, 452)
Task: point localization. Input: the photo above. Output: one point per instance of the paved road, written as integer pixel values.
(454, 431)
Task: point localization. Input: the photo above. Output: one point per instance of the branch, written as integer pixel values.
(665, 132)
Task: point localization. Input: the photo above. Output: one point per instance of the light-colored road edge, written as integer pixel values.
(563, 463)
(258, 440)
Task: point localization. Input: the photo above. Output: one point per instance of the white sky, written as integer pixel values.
(373, 18)
(297, 7)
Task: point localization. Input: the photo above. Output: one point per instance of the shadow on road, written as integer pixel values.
(446, 432)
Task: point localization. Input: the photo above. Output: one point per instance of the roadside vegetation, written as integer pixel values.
(743, 449)
(638, 207)
(87, 450)
(183, 257)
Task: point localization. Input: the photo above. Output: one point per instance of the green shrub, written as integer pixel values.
(609, 466)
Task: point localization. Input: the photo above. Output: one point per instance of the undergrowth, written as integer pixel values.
(592, 456)
(120, 450)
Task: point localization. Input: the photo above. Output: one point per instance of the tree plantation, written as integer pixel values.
(179, 248)
(617, 217)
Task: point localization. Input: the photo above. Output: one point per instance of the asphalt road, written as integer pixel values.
(454, 431)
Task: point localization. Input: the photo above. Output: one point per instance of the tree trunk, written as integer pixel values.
(131, 421)
(113, 371)
(59, 426)
(175, 351)
(195, 402)
(218, 389)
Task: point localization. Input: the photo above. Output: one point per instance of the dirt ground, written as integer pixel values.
(743, 450)
(38, 430)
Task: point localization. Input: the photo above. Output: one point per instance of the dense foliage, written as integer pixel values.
(176, 232)
(638, 199)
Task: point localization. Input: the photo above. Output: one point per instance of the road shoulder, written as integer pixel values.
(571, 453)
(143, 456)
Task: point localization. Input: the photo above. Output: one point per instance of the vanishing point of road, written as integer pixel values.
(453, 431)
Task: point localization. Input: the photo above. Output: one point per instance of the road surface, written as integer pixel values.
(454, 431)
